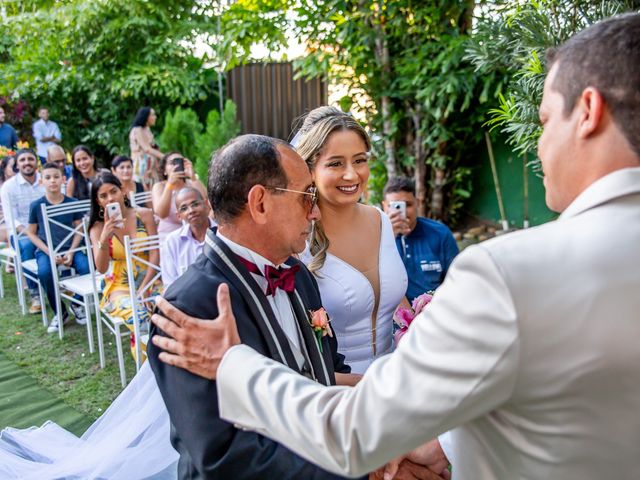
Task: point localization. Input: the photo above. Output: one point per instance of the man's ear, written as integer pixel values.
(591, 105)
(258, 201)
(385, 206)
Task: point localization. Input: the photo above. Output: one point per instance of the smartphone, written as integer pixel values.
(179, 163)
(399, 205)
(113, 211)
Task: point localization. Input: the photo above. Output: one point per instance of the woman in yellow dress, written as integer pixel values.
(107, 239)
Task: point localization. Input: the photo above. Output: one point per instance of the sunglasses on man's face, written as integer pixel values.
(311, 195)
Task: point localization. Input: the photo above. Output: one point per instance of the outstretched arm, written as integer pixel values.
(457, 362)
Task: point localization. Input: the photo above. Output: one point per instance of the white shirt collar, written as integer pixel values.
(625, 181)
(185, 230)
(21, 180)
(245, 252)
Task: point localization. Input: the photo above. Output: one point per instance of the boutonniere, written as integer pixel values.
(319, 321)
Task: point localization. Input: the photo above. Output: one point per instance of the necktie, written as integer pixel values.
(283, 278)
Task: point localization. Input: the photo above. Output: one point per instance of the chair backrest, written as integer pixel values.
(138, 250)
(142, 199)
(51, 218)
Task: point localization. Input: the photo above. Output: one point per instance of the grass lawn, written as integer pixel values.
(63, 367)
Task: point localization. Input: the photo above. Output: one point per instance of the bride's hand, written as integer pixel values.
(348, 379)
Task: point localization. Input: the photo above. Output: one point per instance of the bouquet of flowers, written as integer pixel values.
(404, 316)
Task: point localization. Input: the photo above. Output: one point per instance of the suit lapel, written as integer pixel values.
(221, 256)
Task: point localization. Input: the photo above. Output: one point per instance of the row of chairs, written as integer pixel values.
(68, 284)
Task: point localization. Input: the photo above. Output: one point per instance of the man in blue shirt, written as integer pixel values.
(8, 135)
(426, 247)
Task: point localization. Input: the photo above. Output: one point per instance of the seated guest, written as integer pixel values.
(122, 167)
(107, 239)
(181, 247)
(57, 155)
(6, 172)
(17, 194)
(52, 180)
(178, 173)
(426, 247)
(84, 172)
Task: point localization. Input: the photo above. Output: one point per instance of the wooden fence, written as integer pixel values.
(269, 100)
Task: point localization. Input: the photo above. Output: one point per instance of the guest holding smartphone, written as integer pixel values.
(107, 234)
(427, 247)
(178, 174)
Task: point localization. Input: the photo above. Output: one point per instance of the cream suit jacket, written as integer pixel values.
(529, 353)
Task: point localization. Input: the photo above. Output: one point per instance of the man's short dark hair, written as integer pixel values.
(399, 184)
(49, 165)
(605, 56)
(245, 161)
(24, 151)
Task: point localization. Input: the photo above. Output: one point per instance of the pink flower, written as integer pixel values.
(320, 321)
(420, 302)
(399, 334)
(403, 316)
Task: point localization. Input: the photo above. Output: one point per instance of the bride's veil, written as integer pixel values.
(129, 441)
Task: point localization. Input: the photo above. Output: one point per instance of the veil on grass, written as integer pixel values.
(129, 441)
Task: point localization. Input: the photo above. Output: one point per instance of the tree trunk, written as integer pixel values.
(382, 57)
(419, 153)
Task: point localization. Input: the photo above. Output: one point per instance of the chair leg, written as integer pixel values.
(123, 376)
(99, 334)
(20, 286)
(2, 264)
(43, 306)
(87, 313)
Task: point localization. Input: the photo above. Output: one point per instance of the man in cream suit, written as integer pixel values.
(529, 352)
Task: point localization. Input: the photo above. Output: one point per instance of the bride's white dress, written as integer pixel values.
(348, 297)
(130, 441)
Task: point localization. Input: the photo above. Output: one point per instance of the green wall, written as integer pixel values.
(484, 203)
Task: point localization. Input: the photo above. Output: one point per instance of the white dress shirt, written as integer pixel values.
(279, 301)
(179, 250)
(42, 129)
(528, 353)
(17, 194)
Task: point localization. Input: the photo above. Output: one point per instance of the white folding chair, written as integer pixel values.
(7, 253)
(142, 199)
(75, 284)
(112, 323)
(136, 249)
(26, 269)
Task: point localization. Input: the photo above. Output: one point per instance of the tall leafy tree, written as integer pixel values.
(95, 62)
(522, 32)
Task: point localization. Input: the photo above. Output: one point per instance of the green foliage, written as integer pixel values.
(94, 63)
(218, 132)
(181, 131)
(184, 133)
(522, 32)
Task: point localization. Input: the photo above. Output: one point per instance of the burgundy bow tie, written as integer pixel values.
(283, 278)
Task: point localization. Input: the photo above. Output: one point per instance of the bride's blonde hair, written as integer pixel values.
(318, 125)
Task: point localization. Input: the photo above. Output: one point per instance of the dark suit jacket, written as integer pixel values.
(209, 447)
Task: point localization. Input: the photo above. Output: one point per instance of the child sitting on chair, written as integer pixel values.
(52, 180)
